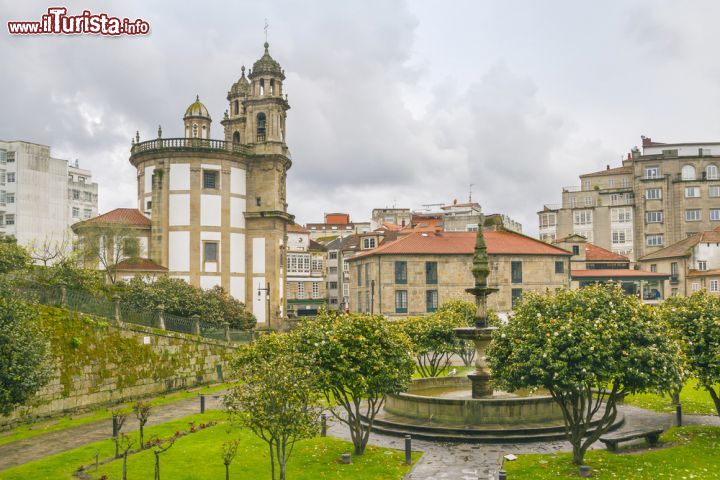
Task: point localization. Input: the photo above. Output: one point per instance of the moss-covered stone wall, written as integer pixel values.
(99, 362)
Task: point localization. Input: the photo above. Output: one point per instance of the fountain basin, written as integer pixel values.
(447, 400)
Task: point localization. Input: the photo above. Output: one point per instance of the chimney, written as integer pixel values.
(607, 167)
(646, 141)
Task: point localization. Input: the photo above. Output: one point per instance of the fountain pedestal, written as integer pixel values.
(481, 378)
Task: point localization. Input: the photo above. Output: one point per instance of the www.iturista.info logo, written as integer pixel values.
(57, 21)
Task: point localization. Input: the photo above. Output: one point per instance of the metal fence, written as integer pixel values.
(59, 296)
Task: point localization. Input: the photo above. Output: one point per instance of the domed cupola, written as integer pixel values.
(241, 87)
(197, 120)
(266, 66)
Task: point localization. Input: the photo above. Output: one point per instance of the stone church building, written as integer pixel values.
(217, 209)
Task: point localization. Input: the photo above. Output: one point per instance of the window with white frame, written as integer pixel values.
(715, 214)
(692, 192)
(654, 240)
(332, 255)
(696, 287)
(611, 182)
(10, 198)
(298, 263)
(583, 217)
(87, 213)
(10, 177)
(346, 289)
(573, 202)
(300, 290)
(702, 265)
(711, 172)
(655, 216)
(588, 234)
(687, 172)
(317, 263)
(10, 219)
(713, 285)
(625, 182)
(692, 215)
(621, 236)
(315, 290)
(586, 185)
(714, 191)
(368, 243)
(548, 220)
(75, 212)
(588, 201)
(652, 172)
(621, 215)
(346, 267)
(653, 193)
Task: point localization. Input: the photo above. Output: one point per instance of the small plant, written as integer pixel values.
(118, 416)
(161, 446)
(229, 450)
(142, 411)
(125, 444)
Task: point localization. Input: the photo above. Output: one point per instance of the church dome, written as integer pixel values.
(197, 109)
(241, 87)
(267, 66)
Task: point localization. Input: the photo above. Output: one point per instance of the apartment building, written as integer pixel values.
(306, 260)
(656, 198)
(336, 225)
(41, 196)
(417, 272)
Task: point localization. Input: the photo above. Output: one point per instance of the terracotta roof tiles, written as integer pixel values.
(616, 273)
(119, 216)
(593, 253)
(139, 264)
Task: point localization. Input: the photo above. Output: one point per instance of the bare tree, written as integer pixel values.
(118, 416)
(108, 244)
(161, 446)
(51, 249)
(229, 450)
(142, 411)
(125, 444)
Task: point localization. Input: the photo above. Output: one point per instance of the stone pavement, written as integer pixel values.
(460, 461)
(35, 448)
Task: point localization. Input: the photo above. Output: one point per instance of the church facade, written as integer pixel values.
(218, 208)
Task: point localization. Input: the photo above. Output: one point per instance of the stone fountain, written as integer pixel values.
(468, 409)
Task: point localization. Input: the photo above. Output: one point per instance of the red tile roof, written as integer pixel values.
(499, 242)
(704, 273)
(140, 264)
(616, 273)
(684, 247)
(295, 228)
(593, 253)
(119, 216)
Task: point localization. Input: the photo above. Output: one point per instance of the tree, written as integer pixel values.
(24, 353)
(695, 320)
(229, 450)
(108, 244)
(13, 257)
(433, 340)
(159, 447)
(142, 411)
(467, 310)
(587, 347)
(359, 360)
(51, 249)
(274, 396)
(119, 416)
(125, 443)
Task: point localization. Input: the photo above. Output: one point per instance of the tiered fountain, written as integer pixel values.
(468, 409)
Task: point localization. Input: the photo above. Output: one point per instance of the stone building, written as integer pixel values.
(41, 196)
(401, 217)
(691, 264)
(336, 225)
(416, 273)
(306, 278)
(655, 199)
(218, 208)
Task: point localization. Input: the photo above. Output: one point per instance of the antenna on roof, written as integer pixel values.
(470, 195)
(266, 28)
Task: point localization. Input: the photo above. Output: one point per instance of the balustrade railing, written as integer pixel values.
(189, 143)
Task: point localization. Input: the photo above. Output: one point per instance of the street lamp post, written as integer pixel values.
(267, 308)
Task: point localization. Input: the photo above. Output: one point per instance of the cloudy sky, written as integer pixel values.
(393, 102)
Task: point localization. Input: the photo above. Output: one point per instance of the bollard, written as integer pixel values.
(323, 425)
(346, 459)
(196, 325)
(678, 414)
(408, 449)
(585, 471)
(202, 403)
(502, 475)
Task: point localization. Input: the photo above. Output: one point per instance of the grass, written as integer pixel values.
(693, 400)
(461, 371)
(30, 430)
(197, 456)
(686, 453)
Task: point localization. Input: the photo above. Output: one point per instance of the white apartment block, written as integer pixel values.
(41, 196)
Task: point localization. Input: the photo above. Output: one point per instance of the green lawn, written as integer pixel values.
(686, 453)
(461, 371)
(197, 456)
(693, 400)
(46, 426)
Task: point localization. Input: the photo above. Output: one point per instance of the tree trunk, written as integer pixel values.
(272, 462)
(578, 454)
(142, 444)
(227, 471)
(124, 474)
(715, 396)
(157, 467)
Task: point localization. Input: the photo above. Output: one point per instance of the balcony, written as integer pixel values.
(194, 144)
(571, 189)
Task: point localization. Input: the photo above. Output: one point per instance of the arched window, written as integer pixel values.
(204, 132)
(236, 107)
(236, 137)
(195, 130)
(262, 87)
(711, 172)
(261, 120)
(687, 172)
(272, 86)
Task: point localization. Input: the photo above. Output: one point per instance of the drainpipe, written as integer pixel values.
(379, 276)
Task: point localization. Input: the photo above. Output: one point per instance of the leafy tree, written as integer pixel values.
(274, 396)
(229, 450)
(70, 273)
(180, 298)
(13, 257)
(575, 342)
(24, 365)
(696, 322)
(433, 340)
(142, 411)
(359, 360)
(467, 310)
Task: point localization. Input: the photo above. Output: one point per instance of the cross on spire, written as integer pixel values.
(266, 28)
